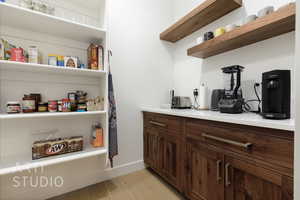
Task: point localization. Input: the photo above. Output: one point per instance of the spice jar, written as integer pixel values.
(66, 105)
(13, 107)
(43, 107)
(59, 106)
(97, 139)
(52, 106)
(28, 104)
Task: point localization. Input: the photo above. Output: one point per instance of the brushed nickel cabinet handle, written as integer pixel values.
(157, 124)
(219, 178)
(227, 181)
(247, 145)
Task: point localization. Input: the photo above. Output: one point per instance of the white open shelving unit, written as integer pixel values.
(48, 115)
(18, 66)
(11, 167)
(38, 22)
(17, 25)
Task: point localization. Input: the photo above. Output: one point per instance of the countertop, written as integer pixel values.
(250, 119)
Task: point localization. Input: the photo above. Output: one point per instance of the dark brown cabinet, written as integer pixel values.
(151, 148)
(163, 150)
(247, 181)
(204, 172)
(208, 160)
(170, 151)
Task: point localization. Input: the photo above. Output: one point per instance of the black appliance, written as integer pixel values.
(276, 94)
(216, 96)
(232, 101)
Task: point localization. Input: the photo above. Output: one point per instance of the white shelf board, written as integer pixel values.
(19, 165)
(19, 66)
(22, 18)
(49, 114)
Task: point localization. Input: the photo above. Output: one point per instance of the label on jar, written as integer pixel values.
(13, 109)
(52, 106)
(28, 104)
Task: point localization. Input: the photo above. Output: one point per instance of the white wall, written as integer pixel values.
(297, 136)
(189, 72)
(141, 66)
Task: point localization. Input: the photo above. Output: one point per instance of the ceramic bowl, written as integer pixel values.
(250, 18)
(200, 40)
(219, 31)
(265, 11)
(285, 5)
(231, 27)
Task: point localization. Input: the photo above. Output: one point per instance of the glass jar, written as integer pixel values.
(13, 107)
(66, 105)
(52, 106)
(43, 107)
(29, 104)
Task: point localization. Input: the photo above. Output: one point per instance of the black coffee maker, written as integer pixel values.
(232, 100)
(276, 94)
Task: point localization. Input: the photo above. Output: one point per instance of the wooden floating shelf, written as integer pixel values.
(15, 16)
(199, 17)
(41, 68)
(277, 23)
(19, 165)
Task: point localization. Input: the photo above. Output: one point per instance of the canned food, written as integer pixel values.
(52, 106)
(66, 105)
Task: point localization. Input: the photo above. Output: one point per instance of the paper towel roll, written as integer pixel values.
(203, 97)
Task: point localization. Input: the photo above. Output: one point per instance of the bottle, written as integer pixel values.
(97, 136)
(203, 97)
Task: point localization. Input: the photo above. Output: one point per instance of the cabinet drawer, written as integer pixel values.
(272, 146)
(163, 123)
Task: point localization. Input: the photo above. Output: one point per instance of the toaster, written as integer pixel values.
(181, 102)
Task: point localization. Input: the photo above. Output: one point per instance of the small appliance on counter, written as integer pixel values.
(181, 102)
(232, 100)
(216, 96)
(276, 94)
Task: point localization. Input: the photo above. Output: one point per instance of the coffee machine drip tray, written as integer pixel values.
(275, 116)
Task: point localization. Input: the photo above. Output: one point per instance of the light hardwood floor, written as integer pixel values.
(141, 185)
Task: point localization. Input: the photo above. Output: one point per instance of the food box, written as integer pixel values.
(71, 61)
(34, 55)
(18, 55)
(47, 148)
(93, 57)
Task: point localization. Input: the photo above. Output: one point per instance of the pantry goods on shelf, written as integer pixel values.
(75, 102)
(95, 55)
(58, 146)
(46, 148)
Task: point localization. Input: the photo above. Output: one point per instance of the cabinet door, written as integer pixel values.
(204, 170)
(246, 181)
(151, 148)
(170, 162)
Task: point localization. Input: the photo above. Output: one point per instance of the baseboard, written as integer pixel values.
(107, 174)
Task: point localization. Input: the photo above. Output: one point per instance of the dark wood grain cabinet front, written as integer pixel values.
(163, 150)
(204, 172)
(208, 160)
(244, 180)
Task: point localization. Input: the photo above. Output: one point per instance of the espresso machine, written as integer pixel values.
(232, 100)
(276, 94)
